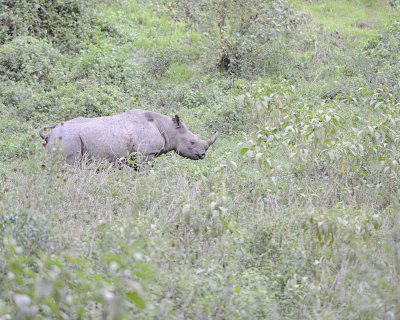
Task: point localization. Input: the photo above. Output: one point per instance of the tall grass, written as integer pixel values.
(293, 213)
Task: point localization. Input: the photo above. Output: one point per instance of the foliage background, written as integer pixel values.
(294, 212)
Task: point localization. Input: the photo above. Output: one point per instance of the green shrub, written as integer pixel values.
(159, 62)
(327, 142)
(31, 60)
(86, 98)
(68, 286)
(29, 229)
(384, 61)
(292, 214)
(62, 22)
(15, 136)
(245, 35)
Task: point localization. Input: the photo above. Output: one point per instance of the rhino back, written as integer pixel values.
(111, 137)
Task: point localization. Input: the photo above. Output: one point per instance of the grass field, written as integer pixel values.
(356, 20)
(294, 212)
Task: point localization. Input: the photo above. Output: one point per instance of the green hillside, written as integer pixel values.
(356, 20)
(293, 214)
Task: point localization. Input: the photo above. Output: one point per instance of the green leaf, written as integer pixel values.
(54, 263)
(51, 303)
(136, 298)
(143, 271)
(243, 151)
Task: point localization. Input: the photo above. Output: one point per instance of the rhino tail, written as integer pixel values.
(42, 133)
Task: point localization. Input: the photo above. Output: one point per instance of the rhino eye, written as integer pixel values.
(192, 142)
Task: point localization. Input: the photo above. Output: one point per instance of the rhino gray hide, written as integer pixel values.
(113, 138)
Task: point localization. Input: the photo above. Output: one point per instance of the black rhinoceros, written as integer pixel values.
(146, 133)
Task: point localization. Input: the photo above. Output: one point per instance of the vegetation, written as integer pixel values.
(293, 214)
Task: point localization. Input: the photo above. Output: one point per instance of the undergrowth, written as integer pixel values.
(293, 213)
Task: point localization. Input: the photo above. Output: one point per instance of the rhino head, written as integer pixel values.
(188, 144)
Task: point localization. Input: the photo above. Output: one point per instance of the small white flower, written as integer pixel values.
(138, 256)
(114, 266)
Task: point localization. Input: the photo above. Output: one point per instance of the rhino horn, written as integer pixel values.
(212, 139)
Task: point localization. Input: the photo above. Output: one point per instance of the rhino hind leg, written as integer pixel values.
(74, 150)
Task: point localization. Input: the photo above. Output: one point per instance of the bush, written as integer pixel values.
(384, 61)
(295, 218)
(29, 229)
(31, 60)
(38, 82)
(328, 142)
(62, 22)
(246, 35)
(51, 286)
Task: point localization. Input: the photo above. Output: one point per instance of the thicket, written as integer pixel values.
(60, 22)
(293, 214)
(247, 38)
(383, 60)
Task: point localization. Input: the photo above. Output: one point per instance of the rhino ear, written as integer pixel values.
(177, 121)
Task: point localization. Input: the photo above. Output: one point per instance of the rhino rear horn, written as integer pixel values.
(212, 139)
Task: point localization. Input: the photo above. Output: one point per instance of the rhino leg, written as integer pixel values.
(140, 161)
(130, 160)
(73, 150)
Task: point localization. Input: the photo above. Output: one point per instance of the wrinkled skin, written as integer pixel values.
(113, 138)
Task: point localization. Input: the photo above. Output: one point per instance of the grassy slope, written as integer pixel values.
(221, 238)
(356, 20)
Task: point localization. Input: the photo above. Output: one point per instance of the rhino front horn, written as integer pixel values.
(212, 139)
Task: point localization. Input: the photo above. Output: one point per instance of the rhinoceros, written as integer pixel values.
(145, 133)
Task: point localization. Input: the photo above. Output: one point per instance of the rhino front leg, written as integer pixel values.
(149, 158)
(144, 161)
(136, 161)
